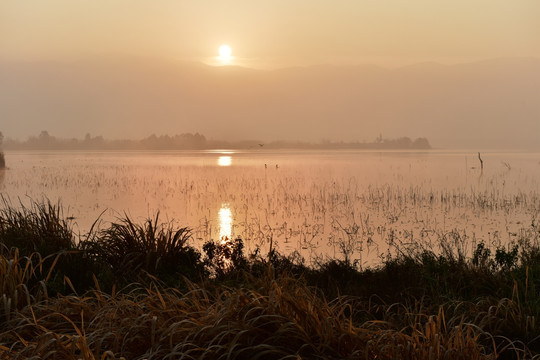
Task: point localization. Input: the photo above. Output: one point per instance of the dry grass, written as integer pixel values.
(282, 319)
(23, 281)
(270, 315)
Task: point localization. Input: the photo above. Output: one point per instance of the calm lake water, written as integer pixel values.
(319, 203)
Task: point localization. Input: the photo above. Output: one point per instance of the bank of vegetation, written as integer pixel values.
(189, 141)
(143, 291)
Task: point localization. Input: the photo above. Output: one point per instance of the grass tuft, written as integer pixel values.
(160, 249)
(40, 228)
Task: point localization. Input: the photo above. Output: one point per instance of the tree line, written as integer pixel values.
(190, 141)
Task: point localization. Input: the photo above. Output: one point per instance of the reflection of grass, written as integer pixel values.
(419, 304)
(2, 160)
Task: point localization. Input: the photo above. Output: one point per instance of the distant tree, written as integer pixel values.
(401, 143)
(45, 140)
(421, 143)
(151, 142)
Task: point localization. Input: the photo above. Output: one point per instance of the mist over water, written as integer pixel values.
(358, 204)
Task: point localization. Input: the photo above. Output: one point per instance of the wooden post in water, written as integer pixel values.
(2, 159)
(481, 162)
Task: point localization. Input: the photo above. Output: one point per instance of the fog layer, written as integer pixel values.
(489, 104)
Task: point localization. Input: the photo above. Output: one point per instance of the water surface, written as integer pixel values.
(320, 203)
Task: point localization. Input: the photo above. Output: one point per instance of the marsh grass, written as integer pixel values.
(282, 319)
(156, 248)
(2, 160)
(457, 303)
(40, 227)
(23, 280)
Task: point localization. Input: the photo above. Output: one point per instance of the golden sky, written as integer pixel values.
(272, 33)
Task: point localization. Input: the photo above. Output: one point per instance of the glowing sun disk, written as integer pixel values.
(225, 54)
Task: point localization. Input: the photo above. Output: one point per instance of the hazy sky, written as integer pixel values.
(272, 33)
(115, 63)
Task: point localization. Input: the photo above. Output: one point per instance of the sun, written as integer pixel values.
(225, 54)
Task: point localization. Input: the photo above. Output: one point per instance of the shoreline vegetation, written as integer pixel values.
(189, 141)
(142, 291)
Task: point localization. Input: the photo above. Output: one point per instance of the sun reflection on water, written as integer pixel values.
(224, 161)
(225, 222)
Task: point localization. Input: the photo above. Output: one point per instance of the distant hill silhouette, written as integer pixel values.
(492, 103)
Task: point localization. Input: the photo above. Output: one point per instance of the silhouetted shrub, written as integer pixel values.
(224, 257)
